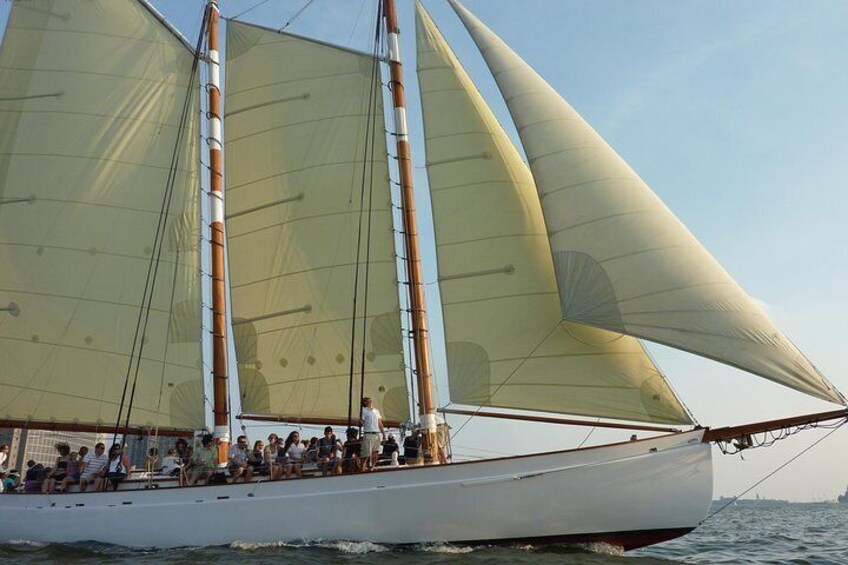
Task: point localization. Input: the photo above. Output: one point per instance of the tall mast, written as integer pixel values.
(420, 339)
(221, 408)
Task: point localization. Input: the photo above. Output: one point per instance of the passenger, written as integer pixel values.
(116, 469)
(311, 454)
(239, 464)
(275, 470)
(73, 475)
(170, 464)
(91, 467)
(203, 460)
(184, 453)
(294, 455)
(372, 432)
(411, 448)
(34, 477)
(390, 447)
(4, 461)
(328, 449)
(60, 469)
(351, 452)
(442, 430)
(257, 458)
(12, 482)
(282, 458)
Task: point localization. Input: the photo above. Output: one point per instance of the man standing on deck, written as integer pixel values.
(373, 431)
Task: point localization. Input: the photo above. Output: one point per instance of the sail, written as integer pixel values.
(91, 99)
(623, 261)
(507, 343)
(302, 118)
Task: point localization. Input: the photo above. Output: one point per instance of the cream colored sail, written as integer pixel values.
(507, 343)
(297, 129)
(623, 261)
(91, 98)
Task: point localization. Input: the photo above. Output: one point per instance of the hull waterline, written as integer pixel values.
(628, 494)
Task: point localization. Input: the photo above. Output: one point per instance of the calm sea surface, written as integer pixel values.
(764, 533)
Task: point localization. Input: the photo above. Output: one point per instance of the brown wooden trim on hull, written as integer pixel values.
(94, 428)
(310, 421)
(733, 432)
(626, 540)
(550, 420)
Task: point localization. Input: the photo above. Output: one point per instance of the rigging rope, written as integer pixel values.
(372, 102)
(297, 14)
(500, 386)
(240, 14)
(775, 471)
(155, 257)
(369, 145)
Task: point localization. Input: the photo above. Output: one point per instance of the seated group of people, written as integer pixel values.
(100, 470)
(279, 459)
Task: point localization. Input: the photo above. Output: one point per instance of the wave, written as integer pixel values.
(342, 546)
(444, 548)
(601, 548)
(25, 542)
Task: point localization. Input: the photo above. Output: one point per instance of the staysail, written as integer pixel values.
(507, 342)
(91, 99)
(305, 136)
(623, 261)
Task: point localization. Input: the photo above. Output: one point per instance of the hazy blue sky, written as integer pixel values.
(736, 114)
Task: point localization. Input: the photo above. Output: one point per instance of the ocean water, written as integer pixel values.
(744, 533)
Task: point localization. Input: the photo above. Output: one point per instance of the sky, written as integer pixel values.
(735, 113)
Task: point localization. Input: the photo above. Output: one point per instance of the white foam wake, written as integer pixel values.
(444, 548)
(25, 542)
(602, 548)
(342, 546)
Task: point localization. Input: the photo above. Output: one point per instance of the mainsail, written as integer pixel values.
(91, 100)
(304, 137)
(507, 342)
(623, 261)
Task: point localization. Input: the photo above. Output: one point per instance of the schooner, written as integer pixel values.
(551, 272)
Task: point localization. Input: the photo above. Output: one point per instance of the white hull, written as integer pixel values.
(630, 494)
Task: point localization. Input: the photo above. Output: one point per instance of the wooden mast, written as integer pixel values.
(221, 408)
(420, 339)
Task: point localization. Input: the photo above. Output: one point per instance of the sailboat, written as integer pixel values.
(547, 290)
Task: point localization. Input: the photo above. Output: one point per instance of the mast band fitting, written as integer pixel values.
(215, 128)
(222, 433)
(394, 48)
(428, 422)
(217, 203)
(400, 124)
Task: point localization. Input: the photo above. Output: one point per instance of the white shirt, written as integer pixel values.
(94, 464)
(169, 463)
(371, 420)
(3, 458)
(295, 453)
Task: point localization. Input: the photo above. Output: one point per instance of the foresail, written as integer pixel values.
(297, 117)
(623, 261)
(507, 342)
(91, 99)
